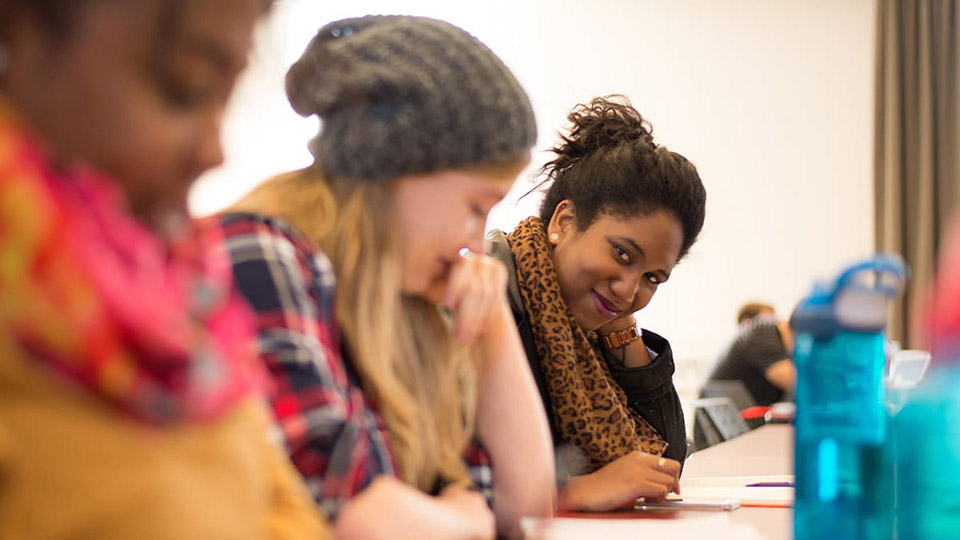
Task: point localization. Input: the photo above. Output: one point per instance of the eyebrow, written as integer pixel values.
(495, 193)
(213, 52)
(629, 241)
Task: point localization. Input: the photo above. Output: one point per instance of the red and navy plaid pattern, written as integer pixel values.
(333, 433)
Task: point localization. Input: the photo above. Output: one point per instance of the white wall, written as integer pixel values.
(772, 100)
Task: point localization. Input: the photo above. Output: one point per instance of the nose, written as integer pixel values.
(473, 234)
(629, 288)
(475, 242)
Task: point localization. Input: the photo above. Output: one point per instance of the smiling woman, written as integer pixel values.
(619, 213)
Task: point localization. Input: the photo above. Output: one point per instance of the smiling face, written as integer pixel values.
(136, 88)
(437, 215)
(614, 266)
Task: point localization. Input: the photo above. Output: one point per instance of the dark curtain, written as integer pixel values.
(917, 140)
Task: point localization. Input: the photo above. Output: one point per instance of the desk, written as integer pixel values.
(767, 450)
(764, 451)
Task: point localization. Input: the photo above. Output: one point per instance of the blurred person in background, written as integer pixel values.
(129, 402)
(759, 355)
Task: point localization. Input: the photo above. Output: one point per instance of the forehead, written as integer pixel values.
(160, 26)
(659, 230)
(658, 220)
(469, 181)
(226, 24)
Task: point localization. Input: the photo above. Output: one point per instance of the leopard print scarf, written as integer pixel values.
(591, 409)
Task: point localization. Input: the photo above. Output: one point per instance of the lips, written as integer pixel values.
(605, 307)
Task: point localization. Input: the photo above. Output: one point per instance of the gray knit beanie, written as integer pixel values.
(405, 95)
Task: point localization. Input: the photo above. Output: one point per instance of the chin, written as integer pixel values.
(435, 296)
(171, 223)
(587, 324)
(432, 291)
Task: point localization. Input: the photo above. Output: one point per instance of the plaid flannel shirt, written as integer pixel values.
(335, 436)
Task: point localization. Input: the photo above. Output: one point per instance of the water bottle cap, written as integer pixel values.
(855, 301)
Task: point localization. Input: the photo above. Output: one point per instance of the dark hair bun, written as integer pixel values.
(603, 123)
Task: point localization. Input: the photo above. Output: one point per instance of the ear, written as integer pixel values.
(562, 223)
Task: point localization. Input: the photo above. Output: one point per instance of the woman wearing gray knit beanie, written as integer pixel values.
(399, 372)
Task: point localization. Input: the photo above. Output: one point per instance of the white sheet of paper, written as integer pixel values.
(735, 487)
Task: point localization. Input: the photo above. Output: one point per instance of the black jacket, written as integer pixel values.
(650, 391)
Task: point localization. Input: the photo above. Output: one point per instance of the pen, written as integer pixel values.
(772, 484)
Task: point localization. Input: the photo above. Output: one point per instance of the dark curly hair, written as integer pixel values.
(609, 164)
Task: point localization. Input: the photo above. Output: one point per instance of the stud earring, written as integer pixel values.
(555, 237)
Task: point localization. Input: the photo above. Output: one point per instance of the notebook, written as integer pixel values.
(752, 491)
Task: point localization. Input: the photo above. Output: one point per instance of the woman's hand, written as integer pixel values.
(633, 354)
(621, 482)
(477, 518)
(621, 323)
(475, 291)
(389, 508)
(511, 421)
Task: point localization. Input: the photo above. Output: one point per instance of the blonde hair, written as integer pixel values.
(422, 380)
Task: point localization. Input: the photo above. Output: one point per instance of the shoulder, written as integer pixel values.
(242, 229)
(764, 333)
(255, 237)
(275, 266)
(498, 247)
(755, 348)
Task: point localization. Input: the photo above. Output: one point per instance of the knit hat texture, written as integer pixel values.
(406, 95)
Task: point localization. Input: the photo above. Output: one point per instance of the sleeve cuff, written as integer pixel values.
(646, 382)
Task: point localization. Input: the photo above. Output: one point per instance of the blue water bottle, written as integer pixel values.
(927, 428)
(928, 460)
(843, 469)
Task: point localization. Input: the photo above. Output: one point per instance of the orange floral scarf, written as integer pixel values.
(152, 328)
